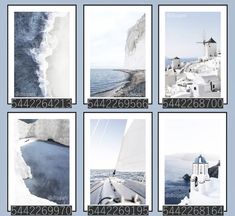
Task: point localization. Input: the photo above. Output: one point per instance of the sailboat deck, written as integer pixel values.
(114, 188)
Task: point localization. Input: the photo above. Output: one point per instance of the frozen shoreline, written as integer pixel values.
(135, 87)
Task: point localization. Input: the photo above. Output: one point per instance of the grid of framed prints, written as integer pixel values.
(116, 109)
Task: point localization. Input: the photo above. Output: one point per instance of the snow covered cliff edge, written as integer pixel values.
(135, 46)
(44, 129)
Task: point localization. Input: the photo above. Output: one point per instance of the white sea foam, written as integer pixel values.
(48, 47)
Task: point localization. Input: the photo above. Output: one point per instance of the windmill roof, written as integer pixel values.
(211, 40)
(200, 160)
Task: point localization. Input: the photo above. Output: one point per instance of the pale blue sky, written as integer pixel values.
(184, 29)
(106, 139)
(193, 133)
(108, 33)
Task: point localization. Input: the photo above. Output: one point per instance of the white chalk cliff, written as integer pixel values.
(21, 194)
(135, 46)
(44, 129)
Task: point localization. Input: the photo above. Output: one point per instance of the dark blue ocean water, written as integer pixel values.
(102, 80)
(176, 188)
(49, 163)
(175, 191)
(99, 175)
(28, 34)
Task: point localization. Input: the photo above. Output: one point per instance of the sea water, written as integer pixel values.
(99, 175)
(176, 188)
(102, 80)
(49, 163)
(168, 61)
(34, 42)
(28, 28)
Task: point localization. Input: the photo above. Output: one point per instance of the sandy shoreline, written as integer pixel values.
(58, 63)
(135, 87)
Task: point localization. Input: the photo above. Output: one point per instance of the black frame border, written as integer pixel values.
(226, 139)
(83, 48)
(84, 126)
(227, 38)
(76, 188)
(75, 54)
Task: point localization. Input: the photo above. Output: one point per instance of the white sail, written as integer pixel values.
(132, 153)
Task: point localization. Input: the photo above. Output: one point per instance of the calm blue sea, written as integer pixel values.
(168, 61)
(176, 188)
(99, 175)
(28, 34)
(103, 80)
(49, 163)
